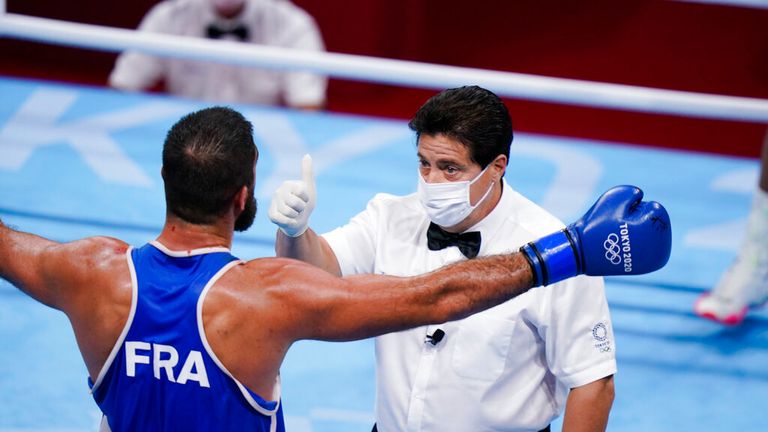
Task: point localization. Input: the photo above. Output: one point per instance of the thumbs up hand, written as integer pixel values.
(294, 200)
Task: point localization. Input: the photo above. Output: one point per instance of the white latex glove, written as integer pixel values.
(293, 202)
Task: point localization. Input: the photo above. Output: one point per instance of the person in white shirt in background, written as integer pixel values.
(277, 23)
(515, 367)
(744, 284)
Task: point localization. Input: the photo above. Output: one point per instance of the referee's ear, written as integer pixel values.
(499, 167)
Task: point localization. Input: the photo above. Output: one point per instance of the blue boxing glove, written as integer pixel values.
(619, 235)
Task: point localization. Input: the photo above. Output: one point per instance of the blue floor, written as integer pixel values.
(78, 161)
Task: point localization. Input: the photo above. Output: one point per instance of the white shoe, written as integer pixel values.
(745, 284)
(720, 310)
(739, 289)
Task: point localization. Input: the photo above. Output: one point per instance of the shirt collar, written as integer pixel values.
(187, 253)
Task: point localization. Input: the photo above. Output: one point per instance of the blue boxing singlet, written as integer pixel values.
(161, 374)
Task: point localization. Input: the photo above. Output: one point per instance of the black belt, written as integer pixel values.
(546, 429)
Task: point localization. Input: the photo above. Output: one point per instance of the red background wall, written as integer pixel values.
(665, 44)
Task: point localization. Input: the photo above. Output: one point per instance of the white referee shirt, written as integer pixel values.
(505, 369)
(270, 22)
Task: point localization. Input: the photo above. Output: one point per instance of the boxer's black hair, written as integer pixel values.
(470, 115)
(208, 156)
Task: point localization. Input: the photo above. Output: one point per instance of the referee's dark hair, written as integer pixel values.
(471, 115)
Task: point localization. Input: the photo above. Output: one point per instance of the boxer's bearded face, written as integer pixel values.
(245, 220)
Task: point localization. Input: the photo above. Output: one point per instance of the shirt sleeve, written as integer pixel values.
(355, 243)
(578, 335)
(135, 70)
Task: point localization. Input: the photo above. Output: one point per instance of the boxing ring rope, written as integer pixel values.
(389, 71)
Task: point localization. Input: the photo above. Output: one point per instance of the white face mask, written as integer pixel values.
(448, 203)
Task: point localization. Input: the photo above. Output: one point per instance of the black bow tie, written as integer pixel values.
(468, 242)
(215, 32)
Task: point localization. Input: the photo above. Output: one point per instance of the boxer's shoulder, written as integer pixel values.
(96, 252)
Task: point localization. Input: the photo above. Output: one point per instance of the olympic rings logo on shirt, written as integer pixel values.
(612, 249)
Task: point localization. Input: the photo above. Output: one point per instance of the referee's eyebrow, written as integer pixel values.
(442, 161)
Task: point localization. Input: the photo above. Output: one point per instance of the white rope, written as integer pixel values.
(398, 72)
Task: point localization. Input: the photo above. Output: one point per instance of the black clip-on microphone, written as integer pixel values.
(435, 337)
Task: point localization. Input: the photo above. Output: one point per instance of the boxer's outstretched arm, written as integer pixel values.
(619, 235)
(51, 272)
(308, 303)
(21, 258)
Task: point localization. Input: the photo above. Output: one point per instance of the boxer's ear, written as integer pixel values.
(241, 198)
